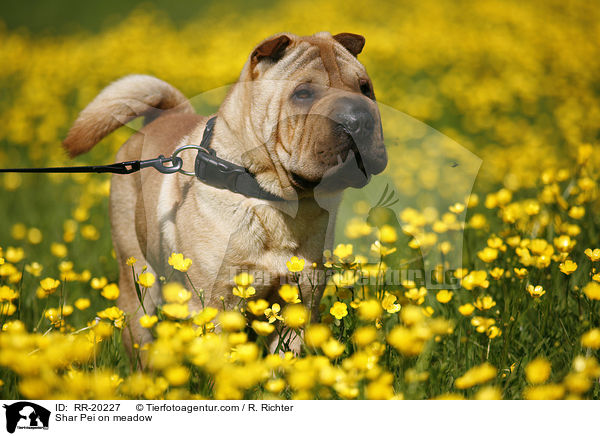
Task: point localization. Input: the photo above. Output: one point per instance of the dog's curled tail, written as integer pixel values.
(120, 102)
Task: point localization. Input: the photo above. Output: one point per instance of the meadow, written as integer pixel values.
(491, 113)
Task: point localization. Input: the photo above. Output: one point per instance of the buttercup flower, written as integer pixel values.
(592, 290)
(289, 294)
(131, 261)
(593, 255)
(389, 303)
(466, 309)
(444, 296)
(262, 328)
(148, 321)
(369, 310)
(82, 303)
(146, 279)
(244, 292)
(535, 291)
(49, 285)
(258, 307)
(568, 267)
(537, 371)
(295, 315)
(110, 292)
(295, 264)
(176, 293)
(272, 313)
(339, 310)
(178, 262)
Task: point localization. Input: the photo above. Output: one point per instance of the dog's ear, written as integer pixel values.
(272, 48)
(351, 41)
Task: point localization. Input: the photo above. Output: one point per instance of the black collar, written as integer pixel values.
(219, 173)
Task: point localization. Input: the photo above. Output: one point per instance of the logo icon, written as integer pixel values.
(26, 415)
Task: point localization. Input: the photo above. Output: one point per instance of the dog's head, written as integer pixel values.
(311, 103)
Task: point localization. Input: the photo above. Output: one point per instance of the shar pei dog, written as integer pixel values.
(302, 122)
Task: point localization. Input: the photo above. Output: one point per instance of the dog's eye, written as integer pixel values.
(303, 94)
(365, 88)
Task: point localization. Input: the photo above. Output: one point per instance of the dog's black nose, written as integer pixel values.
(355, 117)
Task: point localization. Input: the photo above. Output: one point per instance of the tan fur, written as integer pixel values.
(154, 215)
(120, 102)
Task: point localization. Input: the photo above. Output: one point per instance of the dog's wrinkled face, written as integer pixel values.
(328, 128)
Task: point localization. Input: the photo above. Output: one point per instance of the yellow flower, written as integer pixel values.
(382, 250)
(243, 279)
(178, 262)
(316, 335)
(457, 208)
(232, 321)
(98, 283)
(244, 291)
(389, 303)
(444, 296)
(8, 294)
(545, 392)
(272, 313)
(493, 332)
(476, 376)
(146, 279)
(416, 295)
(592, 290)
(148, 321)
(339, 310)
(275, 386)
(82, 303)
(466, 309)
(205, 316)
(387, 234)
(131, 261)
(577, 212)
(365, 335)
(345, 279)
(90, 232)
(176, 293)
(295, 315)
(489, 393)
(488, 254)
(112, 313)
(14, 255)
(295, 264)
(568, 267)
(262, 328)
(521, 272)
(333, 348)
(289, 294)
(591, 339)
(34, 268)
(475, 279)
(258, 307)
(593, 255)
(49, 285)
(535, 291)
(537, 371)
(497, 273)
(484, 302)
(343, 251)
(7, 308)
(58, 250)
(369, 310)
(482, 324)
(110, 292)
(177, 375)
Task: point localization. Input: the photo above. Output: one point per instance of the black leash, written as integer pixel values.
(208, 168)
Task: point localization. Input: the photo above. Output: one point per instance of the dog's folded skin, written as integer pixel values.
(302, 118)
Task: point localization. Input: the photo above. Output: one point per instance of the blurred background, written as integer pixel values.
(515, 83)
